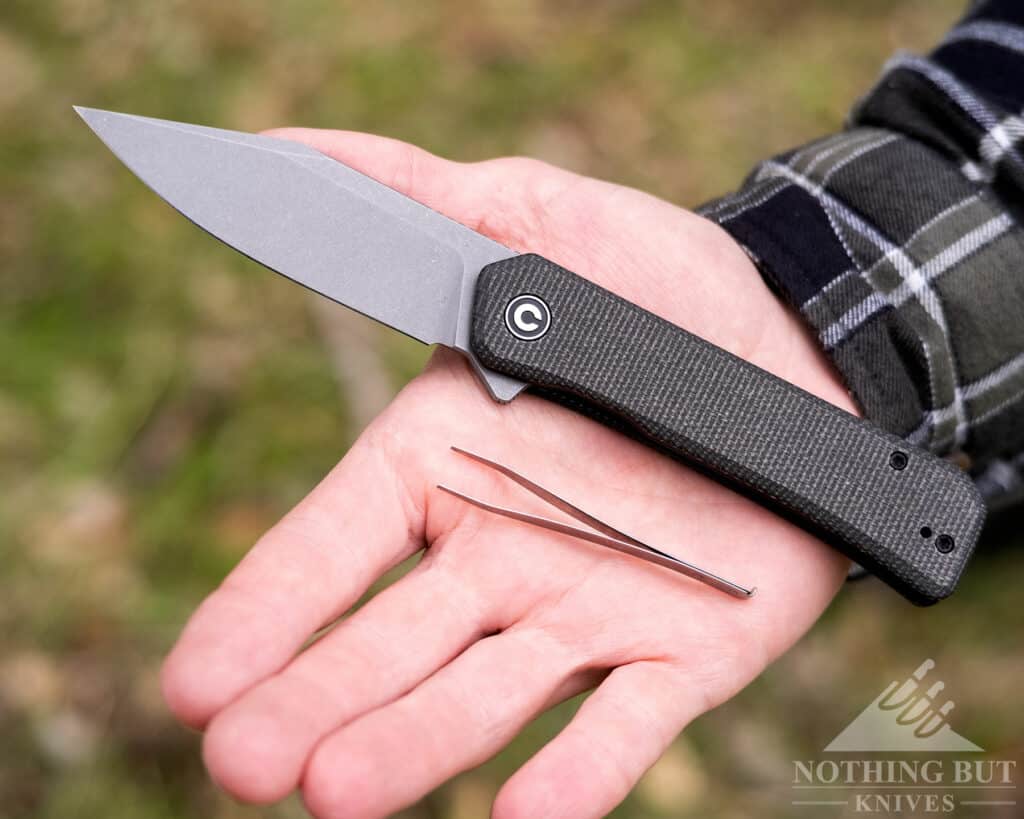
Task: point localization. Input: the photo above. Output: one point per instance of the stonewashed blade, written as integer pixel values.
(317, 222)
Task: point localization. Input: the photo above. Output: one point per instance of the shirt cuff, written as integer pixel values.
(881, 244)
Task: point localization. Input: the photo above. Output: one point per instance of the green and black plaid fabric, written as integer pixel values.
(901, 241)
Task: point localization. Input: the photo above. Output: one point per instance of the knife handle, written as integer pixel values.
(907, 516)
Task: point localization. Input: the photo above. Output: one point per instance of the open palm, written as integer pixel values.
(499, 621)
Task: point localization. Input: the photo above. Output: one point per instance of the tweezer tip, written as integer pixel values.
(455, 492)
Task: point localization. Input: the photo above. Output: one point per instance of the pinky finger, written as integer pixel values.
(618, 733)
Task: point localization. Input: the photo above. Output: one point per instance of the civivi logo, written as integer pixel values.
(900, 756)
(527, 317)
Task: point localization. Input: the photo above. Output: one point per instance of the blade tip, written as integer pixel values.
(89, 115)
(94, 117)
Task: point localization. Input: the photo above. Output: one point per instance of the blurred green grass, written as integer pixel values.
(163, 401)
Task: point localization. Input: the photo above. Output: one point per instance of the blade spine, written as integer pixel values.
(310, 153)
(184, 127)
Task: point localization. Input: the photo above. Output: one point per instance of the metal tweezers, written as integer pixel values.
(605, 535)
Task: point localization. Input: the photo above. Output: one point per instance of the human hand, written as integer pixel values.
(499, 621)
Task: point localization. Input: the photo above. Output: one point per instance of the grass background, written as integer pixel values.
(163, 401)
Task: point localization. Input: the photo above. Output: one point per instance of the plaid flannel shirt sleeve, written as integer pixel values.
(901, 242)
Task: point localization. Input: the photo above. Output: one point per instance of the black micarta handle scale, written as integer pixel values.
(907, 516)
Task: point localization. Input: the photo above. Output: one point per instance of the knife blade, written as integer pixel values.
(905, 515)
(317, 222)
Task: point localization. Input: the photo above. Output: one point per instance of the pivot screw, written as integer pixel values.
(527, 317)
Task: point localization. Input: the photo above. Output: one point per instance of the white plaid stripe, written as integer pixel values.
(1010, 401)
(953, 88)
(993, 148)
(1000, 141)
(958, 92)
(977, 173)
(988, 31)
(1000, 478)
(955, 411)
(916, 278)
(905, 266)
(974, 390)
(995, 378)
(731, 207)
(811, 303)
(867, 139)
(1001, 137)
(1003, 477)
(772, 169)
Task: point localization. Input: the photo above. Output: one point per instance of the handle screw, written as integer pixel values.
(899, 460)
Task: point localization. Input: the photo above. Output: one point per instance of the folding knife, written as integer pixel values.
(907, 516)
